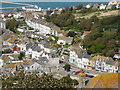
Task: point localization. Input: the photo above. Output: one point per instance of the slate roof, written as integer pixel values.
(88, 56)
(45, 43)
(43, 59)
(110, 62)
(28, 45)
(36, 48)
(40, 62)
(117, 64)
(12, 46)
(81, 53)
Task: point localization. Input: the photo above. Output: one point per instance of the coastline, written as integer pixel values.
(45, 5)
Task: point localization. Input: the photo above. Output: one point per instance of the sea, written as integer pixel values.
(46, 5)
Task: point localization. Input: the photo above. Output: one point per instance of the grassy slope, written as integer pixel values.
(100, 14)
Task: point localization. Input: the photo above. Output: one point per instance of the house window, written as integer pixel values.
(116, 67)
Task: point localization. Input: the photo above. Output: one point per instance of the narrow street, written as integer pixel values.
(76, 68)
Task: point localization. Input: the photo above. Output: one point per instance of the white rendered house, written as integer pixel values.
(34, 67)
(42, 26)
(102, 6)
(83, 62)
(1, 63)
(114, 2)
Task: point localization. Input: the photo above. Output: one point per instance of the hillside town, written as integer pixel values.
(35, 45)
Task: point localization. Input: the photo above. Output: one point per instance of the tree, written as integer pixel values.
(67, 9)
(71, 34)
(35, 81)
(67, 67)
(94, 19)
(79, 6)
(113, 7)
(62, 20)
(21, 55)
(7, 51)
(67, 79)
(75, 82)
(104, 38)
(12, 24)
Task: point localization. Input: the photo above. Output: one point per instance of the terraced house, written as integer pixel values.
(78, 56)
(42, 26)
(105, 64)
(2, 23)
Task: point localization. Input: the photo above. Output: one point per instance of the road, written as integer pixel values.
(76, 68)
(26, 5)
(10, 7)
(14, 3)
(64, 73)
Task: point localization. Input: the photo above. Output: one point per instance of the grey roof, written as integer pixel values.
(110, 62)
(4, 30)
(33, 47)
(26, 65)
(88, 56)
(15, 56)
(36, 48)
(81, 53)
(116, 64)
(45, 43)
(26, 39)
(5, 46)
(44, 37)
(40, 62)
(28, 45)
(43, 59)
(12, 46)
(53, 55)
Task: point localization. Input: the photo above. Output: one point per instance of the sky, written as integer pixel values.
(57, 0)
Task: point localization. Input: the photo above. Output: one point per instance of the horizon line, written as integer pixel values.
(57, 1)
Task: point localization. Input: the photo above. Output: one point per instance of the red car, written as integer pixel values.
(76, 72)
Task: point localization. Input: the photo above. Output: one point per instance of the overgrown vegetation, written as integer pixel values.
(12, 24)
(35, 81)
(104, 38)
(62, 20)
(7, 51)
(67, 67)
